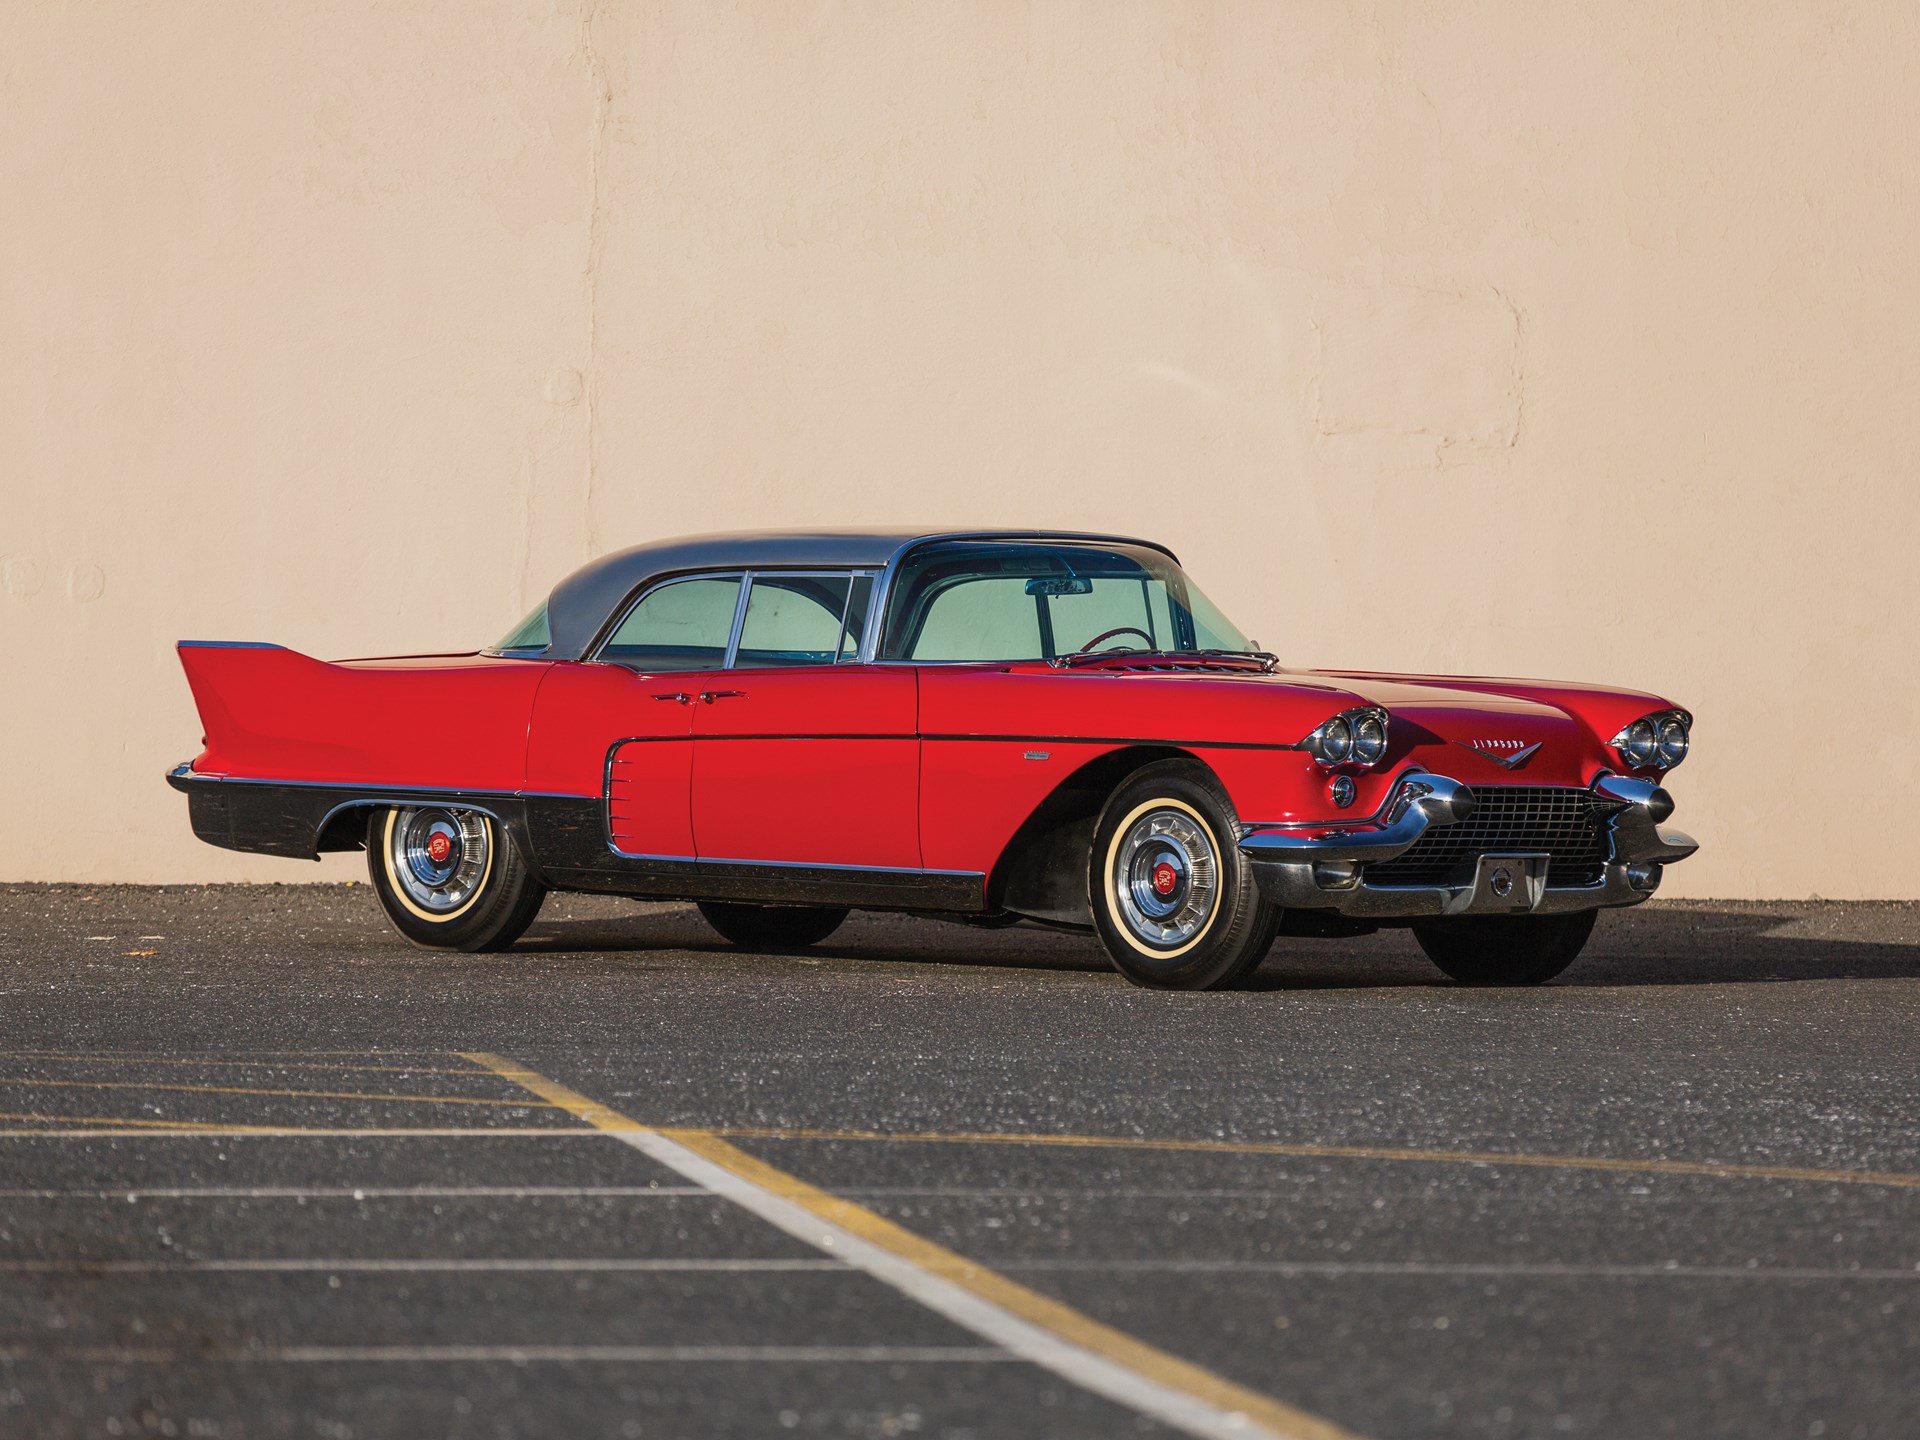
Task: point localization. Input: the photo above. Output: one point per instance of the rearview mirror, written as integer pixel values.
(1060, 585)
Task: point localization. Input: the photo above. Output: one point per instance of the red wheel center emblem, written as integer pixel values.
(1165, 877)
(439, 847)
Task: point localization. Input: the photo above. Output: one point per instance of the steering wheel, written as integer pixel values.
(1106, 635)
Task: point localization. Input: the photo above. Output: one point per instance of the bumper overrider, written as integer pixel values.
(1323, 867)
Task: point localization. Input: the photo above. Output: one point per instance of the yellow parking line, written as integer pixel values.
(1624, 1165)
(1039, 1329)
(143, 1126)
(6, 1080)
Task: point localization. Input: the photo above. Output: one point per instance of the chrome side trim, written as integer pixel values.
(184, 774)
(226, 645)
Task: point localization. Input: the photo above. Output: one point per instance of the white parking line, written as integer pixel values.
(1546, 1271)
(161, 1130)
(524, 1355)
(1033, 1327)
(362, 1192)
(306, 1265)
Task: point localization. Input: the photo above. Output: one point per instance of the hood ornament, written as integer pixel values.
(1507, 754)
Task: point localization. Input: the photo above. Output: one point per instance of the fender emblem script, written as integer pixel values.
(1507, 754)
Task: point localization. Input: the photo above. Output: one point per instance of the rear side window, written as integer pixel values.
(684, 625)
(793, 620)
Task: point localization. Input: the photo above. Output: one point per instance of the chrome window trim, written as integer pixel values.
(853, 657)
(745, 578)
(739, 620)
(807, 572)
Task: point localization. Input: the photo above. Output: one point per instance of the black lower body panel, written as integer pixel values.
(573, 852)
(564, 838)
(300, 821)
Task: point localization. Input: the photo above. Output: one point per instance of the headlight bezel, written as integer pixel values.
(1645, 744)
(1336, 742)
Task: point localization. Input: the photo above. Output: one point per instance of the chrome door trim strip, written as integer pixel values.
(185, 774)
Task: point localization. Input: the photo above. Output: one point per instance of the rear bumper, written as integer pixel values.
(1319, 867)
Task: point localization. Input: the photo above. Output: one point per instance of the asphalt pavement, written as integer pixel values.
(266, 1170)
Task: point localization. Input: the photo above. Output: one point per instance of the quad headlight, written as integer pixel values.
(1353, 737)
(1657, 740)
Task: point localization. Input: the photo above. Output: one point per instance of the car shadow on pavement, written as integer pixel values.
(1665, 943)
(1675, 943)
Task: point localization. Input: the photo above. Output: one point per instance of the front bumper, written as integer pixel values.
(1319, 867)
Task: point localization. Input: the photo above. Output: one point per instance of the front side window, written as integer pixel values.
(684, 625)
(991, 600)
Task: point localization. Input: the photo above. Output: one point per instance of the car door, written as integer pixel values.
(802, 755)
(622, 730)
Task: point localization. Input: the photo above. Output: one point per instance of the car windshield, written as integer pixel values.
(988, 600)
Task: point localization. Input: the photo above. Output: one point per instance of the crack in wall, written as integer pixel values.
(599, 76)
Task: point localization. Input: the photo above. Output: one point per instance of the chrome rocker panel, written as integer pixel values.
(1318, 867)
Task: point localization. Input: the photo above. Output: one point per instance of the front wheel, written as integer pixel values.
(1174, 900)
(773, 927)
(1506, 950)
(450, 879)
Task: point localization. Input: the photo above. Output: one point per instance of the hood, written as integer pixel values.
(1481, 731)
(1479, 736)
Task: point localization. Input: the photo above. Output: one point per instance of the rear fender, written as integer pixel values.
(427, 722)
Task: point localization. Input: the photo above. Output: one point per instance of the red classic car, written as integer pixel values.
(990, 725)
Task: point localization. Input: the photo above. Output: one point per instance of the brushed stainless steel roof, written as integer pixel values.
(581, 604)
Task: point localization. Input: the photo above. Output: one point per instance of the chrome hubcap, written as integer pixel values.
(1165, 878)
(439, 857)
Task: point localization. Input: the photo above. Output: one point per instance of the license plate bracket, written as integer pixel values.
(1508, 883)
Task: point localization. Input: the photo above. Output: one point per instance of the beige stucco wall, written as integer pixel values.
(1512, 338)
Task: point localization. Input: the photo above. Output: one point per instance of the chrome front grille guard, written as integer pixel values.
(1322, 867)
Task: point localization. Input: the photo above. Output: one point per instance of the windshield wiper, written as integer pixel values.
(1259, 659)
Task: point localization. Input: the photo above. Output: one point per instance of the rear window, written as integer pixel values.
(531, 635)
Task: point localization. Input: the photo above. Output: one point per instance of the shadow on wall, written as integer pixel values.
(1683, 944)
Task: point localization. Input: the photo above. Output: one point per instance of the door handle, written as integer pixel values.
(680, 695)
(709, 696)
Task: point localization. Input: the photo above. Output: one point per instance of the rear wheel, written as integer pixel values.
(1506, 950)
(1174, 901)
(450, 879)
(773, 927)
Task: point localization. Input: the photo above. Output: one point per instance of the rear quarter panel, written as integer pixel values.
(452, 721)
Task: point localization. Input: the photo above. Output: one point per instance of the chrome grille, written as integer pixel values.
(1560, 821)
